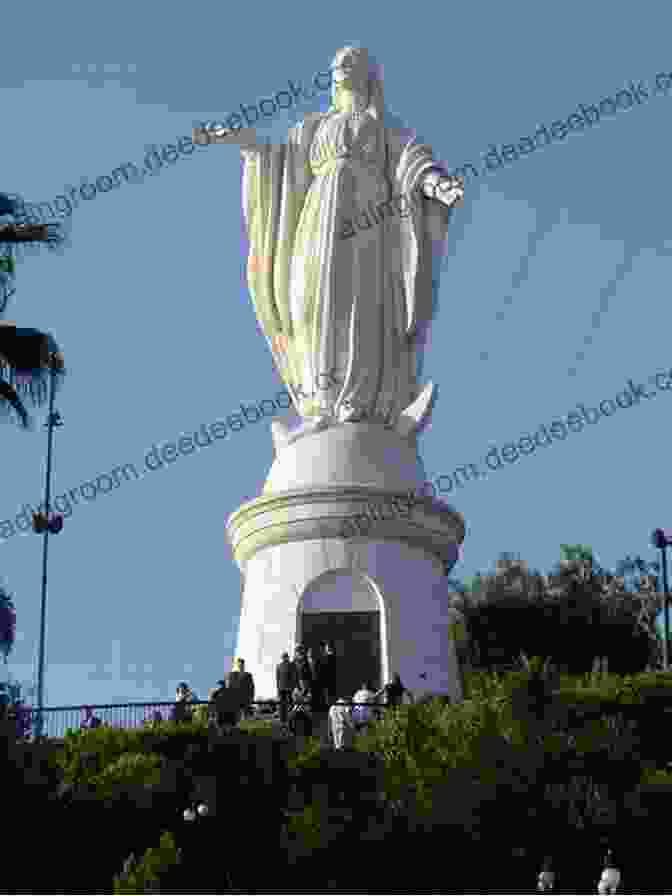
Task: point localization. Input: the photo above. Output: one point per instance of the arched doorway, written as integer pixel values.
(346, 611)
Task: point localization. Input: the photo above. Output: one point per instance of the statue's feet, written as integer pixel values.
(284, 433)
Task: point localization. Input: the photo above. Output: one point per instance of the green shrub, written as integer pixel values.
(87, 753)
(307, 827)
(130, 773)
(262, 727)
(201, 714)
(309, 757)
(145, 876)
(512, 750)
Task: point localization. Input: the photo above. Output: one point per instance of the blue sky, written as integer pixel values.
(568, 243)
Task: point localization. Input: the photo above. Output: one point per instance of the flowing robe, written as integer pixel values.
(341, 307)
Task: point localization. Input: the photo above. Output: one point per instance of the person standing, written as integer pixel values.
(226, 708)
(286, 679)
(340, 724)
(242, 683)
(393, 693)
(327, 673)
(90, 720)
(303, 669)
(180, 711)
(318, 704)
(363, 714)
(300, 722)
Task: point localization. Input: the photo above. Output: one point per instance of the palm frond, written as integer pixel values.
(22, 232)
(26, 357)
(10, 401)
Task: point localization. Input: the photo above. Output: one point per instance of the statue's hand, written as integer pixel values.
(450, 190)
(246, 138)
(452, 197)
(447, 189)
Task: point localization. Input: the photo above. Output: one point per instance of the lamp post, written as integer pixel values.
(611, 877)
(662, 539)
(202, 811)
(43, 523)
(546, 877)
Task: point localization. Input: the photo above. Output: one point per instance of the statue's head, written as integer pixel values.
(351, 67)
(351, 73)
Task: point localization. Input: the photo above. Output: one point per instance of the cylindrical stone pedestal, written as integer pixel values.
(334, 532)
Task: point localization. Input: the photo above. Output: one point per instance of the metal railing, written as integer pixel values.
(59, 719)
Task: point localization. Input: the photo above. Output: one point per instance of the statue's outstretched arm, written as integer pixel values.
(245, 138)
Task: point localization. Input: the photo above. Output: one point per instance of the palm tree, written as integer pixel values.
(27, 356)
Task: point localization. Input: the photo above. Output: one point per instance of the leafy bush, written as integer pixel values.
(130, 773)
(564, 615)
(512, 750)
(505, 751)
(201, 714)
(145, 876)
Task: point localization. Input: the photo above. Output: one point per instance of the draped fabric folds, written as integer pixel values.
(327, 301)
(275, 183)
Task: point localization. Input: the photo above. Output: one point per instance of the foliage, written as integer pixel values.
(577, 612)
(86, 753)
(145, 876)
(577, 553)
(657, 777)
(201, 714)
(509, 742)
(129, 773)
(512, 750)
(309, 757)
(263, 727)
(7, 622)
(309, 827)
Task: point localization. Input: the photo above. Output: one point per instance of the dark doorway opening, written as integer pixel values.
(356, 640)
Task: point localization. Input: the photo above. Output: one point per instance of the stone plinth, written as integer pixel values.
(290, 541)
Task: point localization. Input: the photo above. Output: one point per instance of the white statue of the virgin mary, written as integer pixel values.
(341, 307)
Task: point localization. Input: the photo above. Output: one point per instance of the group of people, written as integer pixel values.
(230, 701)
(344, 720)
(309, 680)
(307, 687)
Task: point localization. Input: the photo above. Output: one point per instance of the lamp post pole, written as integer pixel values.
(53, 420)
(190, 815)
(666, 597)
